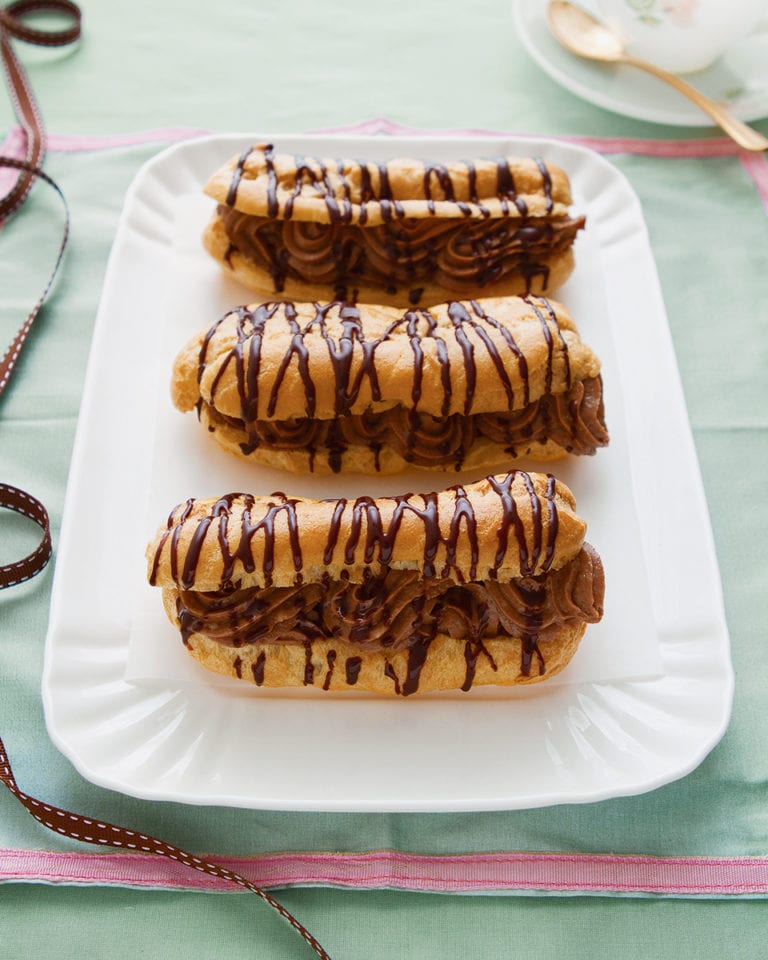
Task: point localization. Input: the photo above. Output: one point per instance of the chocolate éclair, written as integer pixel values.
(401, 232)
(310, 387)
(487, 583)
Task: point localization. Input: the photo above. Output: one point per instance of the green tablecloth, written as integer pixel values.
(298, 67)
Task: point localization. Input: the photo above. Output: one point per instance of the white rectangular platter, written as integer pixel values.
(649, 692)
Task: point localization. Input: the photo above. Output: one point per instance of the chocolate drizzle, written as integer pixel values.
(237, 175)
(546, 180)
(309, 670)
(352, 667)
(258, 668)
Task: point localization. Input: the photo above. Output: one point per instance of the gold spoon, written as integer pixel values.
(585, 36)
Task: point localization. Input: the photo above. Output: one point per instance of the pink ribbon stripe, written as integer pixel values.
(556, 873)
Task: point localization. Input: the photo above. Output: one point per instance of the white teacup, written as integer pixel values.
(682, 35)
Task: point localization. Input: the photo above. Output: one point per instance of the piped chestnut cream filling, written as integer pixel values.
(406, 253)
(397, 610)
(574, 419)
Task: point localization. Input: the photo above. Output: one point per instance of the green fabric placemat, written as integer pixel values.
(718, 331)
(126, 924)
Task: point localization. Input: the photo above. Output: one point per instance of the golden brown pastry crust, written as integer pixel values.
(261, 182)
(459, 358)
(348, 195)
(543, 331)
(501, 527)
(445, 667)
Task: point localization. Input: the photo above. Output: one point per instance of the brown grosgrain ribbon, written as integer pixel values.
(108, 835)
(14, 499)
(13, 26)
(8, 362)
(61, 821)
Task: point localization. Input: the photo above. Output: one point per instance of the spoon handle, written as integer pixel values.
(744, 136)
